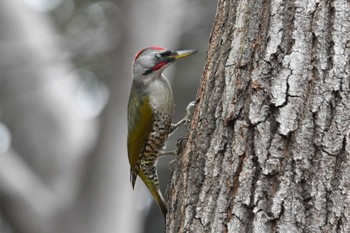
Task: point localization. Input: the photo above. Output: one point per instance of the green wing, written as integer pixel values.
(140, 120)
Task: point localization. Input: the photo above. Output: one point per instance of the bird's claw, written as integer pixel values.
(189, 110)
(186, 119)
(172, 165)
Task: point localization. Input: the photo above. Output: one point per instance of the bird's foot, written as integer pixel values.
(172, 165)
(186, 119)
(189, 109)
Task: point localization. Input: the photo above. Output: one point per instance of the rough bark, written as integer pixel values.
(269, 143)
(65, 170)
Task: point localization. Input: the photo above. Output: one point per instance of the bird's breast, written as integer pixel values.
(161, 95)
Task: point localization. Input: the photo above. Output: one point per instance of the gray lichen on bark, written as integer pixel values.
(268, 148)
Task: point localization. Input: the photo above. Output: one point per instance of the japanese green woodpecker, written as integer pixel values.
(150, 110)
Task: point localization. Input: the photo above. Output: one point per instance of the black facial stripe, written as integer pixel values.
(166, 53)
(147, 71)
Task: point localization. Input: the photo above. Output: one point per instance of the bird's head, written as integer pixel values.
(150, 62)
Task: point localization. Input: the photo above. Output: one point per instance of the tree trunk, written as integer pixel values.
(269, 142)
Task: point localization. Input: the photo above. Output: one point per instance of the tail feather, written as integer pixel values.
(155, 191)
(133, 177)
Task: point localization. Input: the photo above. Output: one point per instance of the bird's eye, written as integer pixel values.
(165, 53)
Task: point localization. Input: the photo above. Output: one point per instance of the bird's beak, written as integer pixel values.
(182, 53)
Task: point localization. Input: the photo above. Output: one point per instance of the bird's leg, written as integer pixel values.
(185, 119)
(161, 153)
(173, 127)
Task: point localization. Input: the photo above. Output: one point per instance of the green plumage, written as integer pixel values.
(141, 121)
(151, 105)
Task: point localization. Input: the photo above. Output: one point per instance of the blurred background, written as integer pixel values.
(64, 85)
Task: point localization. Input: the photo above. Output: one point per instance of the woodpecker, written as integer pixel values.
(150, 109)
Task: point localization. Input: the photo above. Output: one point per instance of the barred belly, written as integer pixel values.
(154, 143)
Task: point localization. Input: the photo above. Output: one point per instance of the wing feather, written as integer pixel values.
(140, 121)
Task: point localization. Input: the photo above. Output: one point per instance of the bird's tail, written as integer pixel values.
(153, 187)
(133, 176)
